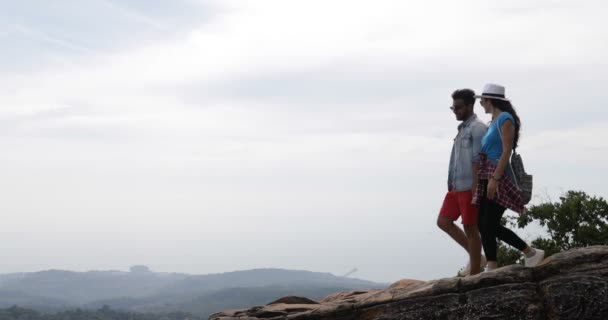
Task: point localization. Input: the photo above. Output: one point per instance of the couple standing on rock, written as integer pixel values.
(480, 186)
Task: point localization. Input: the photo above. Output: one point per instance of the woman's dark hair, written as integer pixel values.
(506, 106)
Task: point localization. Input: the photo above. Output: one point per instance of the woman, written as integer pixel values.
(496, 189)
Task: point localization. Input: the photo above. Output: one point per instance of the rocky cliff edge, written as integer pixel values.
(567, 285)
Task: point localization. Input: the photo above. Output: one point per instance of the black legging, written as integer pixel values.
(489, 215)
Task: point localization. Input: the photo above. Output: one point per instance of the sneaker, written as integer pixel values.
(487, 270)
(537, 258)
(466, 270)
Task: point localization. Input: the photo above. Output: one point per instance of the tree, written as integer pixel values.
(577, 220)
(507, 255)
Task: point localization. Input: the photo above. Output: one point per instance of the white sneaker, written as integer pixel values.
(537, 258)
(489, 270)
(466, 270)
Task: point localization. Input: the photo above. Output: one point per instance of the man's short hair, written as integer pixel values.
(466, 95)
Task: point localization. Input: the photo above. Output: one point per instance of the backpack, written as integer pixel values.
(523, 180)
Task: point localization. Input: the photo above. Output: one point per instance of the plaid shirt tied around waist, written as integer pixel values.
(508, 194)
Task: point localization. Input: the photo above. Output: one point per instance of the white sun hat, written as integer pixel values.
(493, 91)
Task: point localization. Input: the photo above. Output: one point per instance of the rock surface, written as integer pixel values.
(567, 285)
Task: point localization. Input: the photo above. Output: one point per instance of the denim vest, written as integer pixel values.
(465, 152)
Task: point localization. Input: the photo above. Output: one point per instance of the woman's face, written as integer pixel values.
(486, 104)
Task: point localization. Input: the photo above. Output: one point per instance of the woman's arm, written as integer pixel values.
(507, 132)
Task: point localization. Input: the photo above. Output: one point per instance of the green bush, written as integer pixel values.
(577, 220)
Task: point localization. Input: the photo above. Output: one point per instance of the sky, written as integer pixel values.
(220, 135)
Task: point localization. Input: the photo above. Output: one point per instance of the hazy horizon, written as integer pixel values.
(211, 136)
(350, 274)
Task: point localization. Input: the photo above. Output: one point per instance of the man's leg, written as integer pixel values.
(447, 224)
(445, 221)
(469, 221)
(474, 244)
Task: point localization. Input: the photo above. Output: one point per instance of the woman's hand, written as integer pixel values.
(492, 189)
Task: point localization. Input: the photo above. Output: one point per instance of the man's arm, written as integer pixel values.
(475, 171)
(477, 132)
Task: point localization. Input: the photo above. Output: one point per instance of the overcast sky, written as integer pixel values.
(221, 135)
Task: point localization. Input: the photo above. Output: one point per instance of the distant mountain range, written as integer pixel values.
(144, 291)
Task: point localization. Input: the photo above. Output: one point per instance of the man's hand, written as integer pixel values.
(474, 184)
(474, 191)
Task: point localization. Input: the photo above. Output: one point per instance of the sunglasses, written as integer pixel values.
(457, 107)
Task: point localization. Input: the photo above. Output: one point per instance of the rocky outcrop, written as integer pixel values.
(567, 285)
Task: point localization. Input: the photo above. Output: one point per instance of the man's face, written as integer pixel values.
(461, 110)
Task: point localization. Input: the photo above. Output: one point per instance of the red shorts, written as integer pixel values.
(457, 203)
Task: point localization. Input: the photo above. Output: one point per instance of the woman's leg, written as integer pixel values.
(508, 236)
(489, 220)
(483, 223)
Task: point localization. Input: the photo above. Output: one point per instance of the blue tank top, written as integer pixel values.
(491, 144)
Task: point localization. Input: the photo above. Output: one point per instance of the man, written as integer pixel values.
(462, 180)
